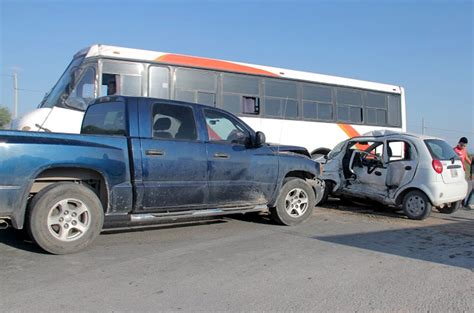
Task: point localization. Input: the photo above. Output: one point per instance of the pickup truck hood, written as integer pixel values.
(289, 149)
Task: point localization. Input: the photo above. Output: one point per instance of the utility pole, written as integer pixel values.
(422, 125)
(15, 95)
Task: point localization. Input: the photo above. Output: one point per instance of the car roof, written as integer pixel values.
(387, 134)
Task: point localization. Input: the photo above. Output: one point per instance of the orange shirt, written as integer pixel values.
(463, 155)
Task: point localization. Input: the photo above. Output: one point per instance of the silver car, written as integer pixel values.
(404, 170)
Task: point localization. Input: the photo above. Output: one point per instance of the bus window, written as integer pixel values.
(394, 108)
(84, 90)
(126, 75)
(196, 86)
(280, 98)
(317, 102)
(376, 108)
(159, 82)
(349, 105)
(240, 94)
(56, 96)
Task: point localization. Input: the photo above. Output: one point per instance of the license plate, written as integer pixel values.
(454, 173)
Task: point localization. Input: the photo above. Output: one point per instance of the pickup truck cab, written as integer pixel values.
(144, 161)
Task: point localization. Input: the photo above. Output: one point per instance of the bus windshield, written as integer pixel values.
(58, 94)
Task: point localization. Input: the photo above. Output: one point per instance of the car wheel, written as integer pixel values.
(65, 218)
(416, 205)
(453, 207)
(328, 187)
(295, 203)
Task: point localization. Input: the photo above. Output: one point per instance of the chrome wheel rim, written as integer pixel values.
(296, 202)
(416, 205)
(69, 219)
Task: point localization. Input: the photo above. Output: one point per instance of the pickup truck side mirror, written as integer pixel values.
(259, 139)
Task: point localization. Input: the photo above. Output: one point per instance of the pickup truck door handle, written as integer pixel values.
(408, 168)
(221, 156)
(153, 152)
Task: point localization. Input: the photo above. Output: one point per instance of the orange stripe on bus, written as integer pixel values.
(211, 64)
(349, 130)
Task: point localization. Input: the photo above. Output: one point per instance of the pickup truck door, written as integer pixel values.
(239, 175)
(174, 160)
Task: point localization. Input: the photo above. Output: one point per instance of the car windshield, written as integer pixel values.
(63, 86)
(336, 150)
(440, 149)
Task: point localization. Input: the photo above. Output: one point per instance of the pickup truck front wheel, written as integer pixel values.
(295, 202)
(65, 218)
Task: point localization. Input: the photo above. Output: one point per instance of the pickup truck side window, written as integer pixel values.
(222, 128)
(173, 122)
(105, 119)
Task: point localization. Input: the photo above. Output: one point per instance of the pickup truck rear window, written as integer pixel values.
(440, 149)
(105, 119)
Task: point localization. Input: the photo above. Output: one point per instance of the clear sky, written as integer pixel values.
(424, 46)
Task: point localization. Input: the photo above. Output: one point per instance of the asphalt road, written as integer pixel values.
(343, 260)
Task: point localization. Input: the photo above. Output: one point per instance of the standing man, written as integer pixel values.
(461, 150)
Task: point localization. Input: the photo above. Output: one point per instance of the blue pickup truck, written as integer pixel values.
(143, 161)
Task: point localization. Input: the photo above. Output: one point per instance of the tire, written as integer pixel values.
(328, 186)
(295, 203)
(453, 207)
(416, 205)
(65, 218)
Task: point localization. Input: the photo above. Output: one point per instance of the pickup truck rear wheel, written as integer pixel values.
(65, 218)
(416, 205)
(295, 202)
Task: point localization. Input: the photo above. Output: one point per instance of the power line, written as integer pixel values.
(450, 130)
(30, 90)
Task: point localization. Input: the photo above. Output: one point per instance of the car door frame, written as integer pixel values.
(143, 187)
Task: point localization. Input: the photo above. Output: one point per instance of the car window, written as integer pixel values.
(440, 149)
(105, 119)
(173, 122)
(399, 151)
(336, 150)
(223, 128)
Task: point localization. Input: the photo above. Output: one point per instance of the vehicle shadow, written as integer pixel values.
(143, 228)
(363, 207)
(450, 243)
(19, 239)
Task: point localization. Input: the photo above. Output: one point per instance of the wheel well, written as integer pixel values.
(90, 178)
(400, 197)
(300, 174)
(323, 151)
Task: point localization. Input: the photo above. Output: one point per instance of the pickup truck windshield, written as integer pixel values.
(105, 119)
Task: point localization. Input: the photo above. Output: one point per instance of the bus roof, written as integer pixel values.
(230, 66)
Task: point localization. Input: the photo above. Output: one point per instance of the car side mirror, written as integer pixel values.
(259, 139)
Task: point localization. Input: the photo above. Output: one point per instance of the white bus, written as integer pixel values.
(291, 107)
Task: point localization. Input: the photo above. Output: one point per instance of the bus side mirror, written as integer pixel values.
(259, 139)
